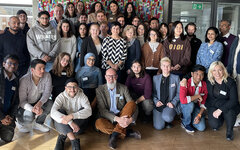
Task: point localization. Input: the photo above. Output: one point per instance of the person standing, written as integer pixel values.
(43, 40)
(13, 41)
(226, 38)
(22, 15)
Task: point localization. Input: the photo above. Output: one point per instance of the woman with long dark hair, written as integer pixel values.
(129, 13)
(211, 50)
(92, 16)
(178, 49)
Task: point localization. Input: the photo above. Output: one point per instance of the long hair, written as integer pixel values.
(82, 24)
(145, 31)
(141, 73)
(166, 26)
(69, 33)
(57, 68)
(133, 13)
(116, 3)
(172, 32)
(215, 31)
(211, 68)
(83, 7)
(92, 10)
(67, 14)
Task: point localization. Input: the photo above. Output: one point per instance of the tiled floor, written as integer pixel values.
(168, 139)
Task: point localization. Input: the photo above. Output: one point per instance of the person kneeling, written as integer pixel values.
(70, 113)
(193, 95)
(117, 109)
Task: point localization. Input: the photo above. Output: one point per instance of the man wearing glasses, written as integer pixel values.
(70, 112)
(117, 110)
(43, 40)
(8, 97)
(34, 91)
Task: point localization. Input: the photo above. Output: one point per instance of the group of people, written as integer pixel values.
(106, 70)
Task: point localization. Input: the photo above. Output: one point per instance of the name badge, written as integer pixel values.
(117, 95)
(223, 92)
(211, 51)
(121, 98)
(173, 85)
(13, 88)
(202, 94)
(138, 84)
(85, 78)
(225, 43)
(64, 73)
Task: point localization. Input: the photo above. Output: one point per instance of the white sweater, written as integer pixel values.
(78, 106)
(68, 45)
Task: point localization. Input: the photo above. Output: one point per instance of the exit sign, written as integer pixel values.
(197, 6)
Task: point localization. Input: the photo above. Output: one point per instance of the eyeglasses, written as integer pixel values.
(72, 87)
(111, 76)
(89, 59)
(10, 63)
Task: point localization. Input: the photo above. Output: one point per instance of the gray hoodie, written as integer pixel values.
(43, 41)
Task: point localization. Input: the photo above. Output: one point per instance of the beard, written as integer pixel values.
(112, 85)
(15, 30)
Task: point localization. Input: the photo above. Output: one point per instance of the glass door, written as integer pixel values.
(231, 12)
(198, 12)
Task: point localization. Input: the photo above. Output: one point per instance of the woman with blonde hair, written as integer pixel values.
(133, 48)
(222, 102)
(92, 44)
(61, 71)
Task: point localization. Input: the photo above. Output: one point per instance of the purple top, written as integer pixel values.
(227, 42)
(141, 86)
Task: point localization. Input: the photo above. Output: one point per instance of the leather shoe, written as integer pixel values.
(112, 143)
(135, 134)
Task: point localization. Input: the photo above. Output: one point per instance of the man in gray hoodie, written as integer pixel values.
(43, 40)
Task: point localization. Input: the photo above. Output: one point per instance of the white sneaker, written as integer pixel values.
(237, 123)
(40, 127)
(22, 128)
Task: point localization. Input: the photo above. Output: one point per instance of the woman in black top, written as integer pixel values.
(61, 72)
(222, 102)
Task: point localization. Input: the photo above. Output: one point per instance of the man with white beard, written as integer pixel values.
(117, 110)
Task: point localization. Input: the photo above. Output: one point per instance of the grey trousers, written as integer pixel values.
(159, 118)
(64, 129)
(7, 132)
(27, 117)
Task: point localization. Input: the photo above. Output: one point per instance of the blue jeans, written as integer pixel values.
(159, 118)
(48, 66)
(190, 111)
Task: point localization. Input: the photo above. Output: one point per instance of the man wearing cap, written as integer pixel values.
(22, 15)
(70, 112)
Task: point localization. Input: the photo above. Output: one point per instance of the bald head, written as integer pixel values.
(111, 75)
(14, 24)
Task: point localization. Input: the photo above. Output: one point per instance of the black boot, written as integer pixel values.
(60, 142)
(112, 143)
(75, 144)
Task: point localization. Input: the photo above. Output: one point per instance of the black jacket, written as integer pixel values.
(227, 99)
(14, 44)
(89, 47)
(15, 100)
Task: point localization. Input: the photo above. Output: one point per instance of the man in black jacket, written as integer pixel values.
(13, 41)
(8, 97)
(191, 29)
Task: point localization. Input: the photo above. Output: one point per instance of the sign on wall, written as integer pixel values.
(145, 8)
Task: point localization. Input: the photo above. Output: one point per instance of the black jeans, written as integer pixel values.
(229, 116)
(7, 132)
